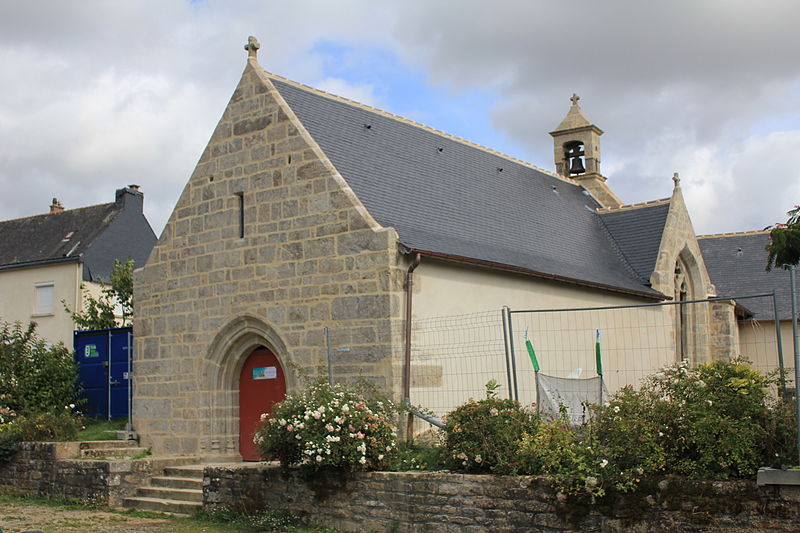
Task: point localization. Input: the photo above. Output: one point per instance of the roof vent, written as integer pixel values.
(56, 206)
(440, 149)
(739, 252)
(368, 126)
(499, 169)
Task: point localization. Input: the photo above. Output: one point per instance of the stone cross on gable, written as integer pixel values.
(676, 179)
(252, 47)
(574, 99)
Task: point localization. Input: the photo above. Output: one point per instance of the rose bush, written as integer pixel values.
(482, 436)
(329, 427)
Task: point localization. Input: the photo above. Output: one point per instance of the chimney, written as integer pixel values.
(56, 206)
(130, 197)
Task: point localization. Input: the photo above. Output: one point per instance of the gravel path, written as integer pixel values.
(19, 517)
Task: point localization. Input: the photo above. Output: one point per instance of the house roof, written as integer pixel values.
(454, 198)
(637, 231)
(53, 237)
(736, 263)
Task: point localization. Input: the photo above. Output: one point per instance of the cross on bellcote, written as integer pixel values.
(574, 99)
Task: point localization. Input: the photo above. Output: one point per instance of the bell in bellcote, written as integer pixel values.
(576, 166)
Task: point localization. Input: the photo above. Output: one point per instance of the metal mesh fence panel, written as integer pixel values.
(453, 357)
(635, 342)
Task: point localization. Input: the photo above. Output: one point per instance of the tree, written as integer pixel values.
(99, 313)
(784, 242)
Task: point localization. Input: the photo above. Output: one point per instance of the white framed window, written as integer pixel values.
(45, 296)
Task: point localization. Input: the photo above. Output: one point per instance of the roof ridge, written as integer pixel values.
(638, 205)
(58, 213)
(408, 121)
(733, 234)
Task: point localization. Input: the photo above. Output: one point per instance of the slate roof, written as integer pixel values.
(638, 232)
(53, 237)
(450, 197)
(736, 264)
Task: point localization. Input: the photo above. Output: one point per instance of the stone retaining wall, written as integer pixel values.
(49, 469)
(417, 501)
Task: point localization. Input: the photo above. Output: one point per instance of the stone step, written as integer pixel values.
(112, 452)
(165, 493)
(186, 471)
(161, 462)
(177, 482)
(94, 444)
(161, 505)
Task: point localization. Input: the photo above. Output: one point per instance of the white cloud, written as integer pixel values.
(363, 93)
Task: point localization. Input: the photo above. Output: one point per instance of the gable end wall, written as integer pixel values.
(311, 258)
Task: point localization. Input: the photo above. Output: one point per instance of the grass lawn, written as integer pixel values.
(95, 428)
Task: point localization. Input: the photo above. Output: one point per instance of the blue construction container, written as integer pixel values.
(104, 369)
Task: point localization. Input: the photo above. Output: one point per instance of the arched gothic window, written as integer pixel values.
(682, 312)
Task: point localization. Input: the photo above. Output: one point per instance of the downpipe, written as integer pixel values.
(409, 286)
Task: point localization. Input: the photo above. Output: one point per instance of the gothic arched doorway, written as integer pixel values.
(262, 384)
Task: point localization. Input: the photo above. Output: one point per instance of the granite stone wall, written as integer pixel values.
(444, 502)
(50, 469)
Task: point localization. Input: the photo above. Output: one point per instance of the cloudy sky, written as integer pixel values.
(96, 94)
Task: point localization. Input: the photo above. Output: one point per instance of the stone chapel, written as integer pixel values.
(310, 215)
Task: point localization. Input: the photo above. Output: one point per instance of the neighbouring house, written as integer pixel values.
(313, 221)
(65, 255)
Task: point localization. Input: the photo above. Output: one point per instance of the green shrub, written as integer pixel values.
(482, 436)
(329, 427)
(627, 431)
(49, 426)
(414, 457)
(713, 419)
(565, 454)
(9, 441)
(779, 447)
(34, 377)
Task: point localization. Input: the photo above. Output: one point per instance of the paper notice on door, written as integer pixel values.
(265, 372)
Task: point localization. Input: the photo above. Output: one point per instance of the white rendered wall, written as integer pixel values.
(18, 298)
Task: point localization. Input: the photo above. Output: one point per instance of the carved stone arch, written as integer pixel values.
(229, 349)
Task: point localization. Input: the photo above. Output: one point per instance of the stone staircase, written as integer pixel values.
(110, 449)
(179, 491)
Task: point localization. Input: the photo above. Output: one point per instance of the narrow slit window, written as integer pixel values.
(241, 214)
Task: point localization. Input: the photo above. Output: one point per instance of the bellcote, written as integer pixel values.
(576, 150)
(577, 144)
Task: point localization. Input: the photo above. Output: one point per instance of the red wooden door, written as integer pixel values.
(261, 384)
